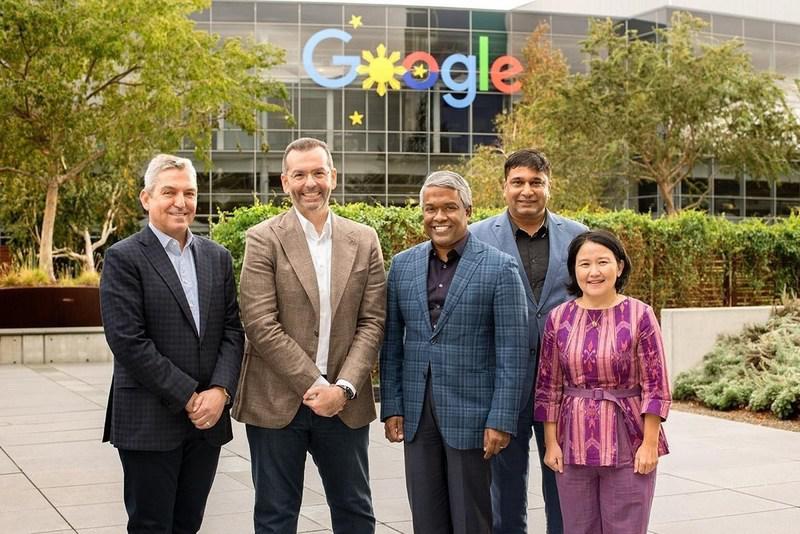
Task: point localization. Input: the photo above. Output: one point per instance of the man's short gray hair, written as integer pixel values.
(450, 180)
(304, 144)
(165, 162)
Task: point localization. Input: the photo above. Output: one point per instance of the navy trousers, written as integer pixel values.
(166, 491)
(278, 463)
(510, 481)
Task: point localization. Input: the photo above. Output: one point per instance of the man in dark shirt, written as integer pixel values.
(453, 362)
(538, 239)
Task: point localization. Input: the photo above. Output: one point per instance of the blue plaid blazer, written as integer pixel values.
(477, 354)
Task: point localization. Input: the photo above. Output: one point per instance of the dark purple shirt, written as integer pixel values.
(440, 276)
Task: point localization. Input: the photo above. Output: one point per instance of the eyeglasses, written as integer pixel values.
(317, 174)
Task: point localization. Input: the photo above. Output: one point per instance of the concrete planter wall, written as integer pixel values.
(689, 333)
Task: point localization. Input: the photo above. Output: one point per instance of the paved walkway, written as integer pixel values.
(56, 476)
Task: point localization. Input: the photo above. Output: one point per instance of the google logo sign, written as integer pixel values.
(418, 70)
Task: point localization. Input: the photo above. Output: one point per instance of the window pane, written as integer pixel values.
(233, 11)
(527, 22)
(445, 43)
(758, 208)
(449, 18)
(789, 33)
(370, 15)
(329, 14)
(276, 12)
(758, 188)
(728, 206)
(490, 20)
(570, 25)
(408, 17)
(758, 29)
(728, 187)
(723, 25)
(485, 110)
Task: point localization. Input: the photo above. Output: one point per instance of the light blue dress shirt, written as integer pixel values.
(183, 262)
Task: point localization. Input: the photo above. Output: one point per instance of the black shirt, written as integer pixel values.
(534, 250)
(440, 276)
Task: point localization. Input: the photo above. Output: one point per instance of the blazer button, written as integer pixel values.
(539, 315)
(316, 334)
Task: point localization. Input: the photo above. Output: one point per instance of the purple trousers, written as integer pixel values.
(605, 500)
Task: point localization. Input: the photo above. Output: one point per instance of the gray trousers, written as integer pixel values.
(448, 489)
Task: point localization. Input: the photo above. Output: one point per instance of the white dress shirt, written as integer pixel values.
(320, 248)
(183, 263)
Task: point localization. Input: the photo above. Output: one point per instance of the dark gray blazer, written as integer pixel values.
(159, 358)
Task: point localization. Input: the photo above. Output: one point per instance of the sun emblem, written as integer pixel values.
(381, 70)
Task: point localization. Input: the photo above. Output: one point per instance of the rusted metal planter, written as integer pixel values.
(48, 307)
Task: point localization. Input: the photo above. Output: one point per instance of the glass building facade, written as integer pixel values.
(384, 146)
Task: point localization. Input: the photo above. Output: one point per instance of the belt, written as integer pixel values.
(613, 395)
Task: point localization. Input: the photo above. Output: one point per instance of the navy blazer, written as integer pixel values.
(159, 358)
(477, 354)
(496, 231)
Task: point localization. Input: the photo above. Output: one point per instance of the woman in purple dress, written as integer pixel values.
(602, 392)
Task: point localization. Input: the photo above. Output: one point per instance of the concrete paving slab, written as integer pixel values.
(784, 521)
(709, 504)
(783, 493)
(717, 478)
(6, 465)
(17, 494)
(84, 494)
(95, 515)
(25, 522)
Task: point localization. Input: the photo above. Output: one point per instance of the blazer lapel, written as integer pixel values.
(293, 241)
(158, 258)
(421, 279)
(205, 275)
(556, 260)
(508, 244)
(467, 265)
(343, 254)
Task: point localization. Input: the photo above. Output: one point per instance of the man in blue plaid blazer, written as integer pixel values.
(169, 309)
(453, 362)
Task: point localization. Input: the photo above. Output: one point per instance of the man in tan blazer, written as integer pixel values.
(313, 305)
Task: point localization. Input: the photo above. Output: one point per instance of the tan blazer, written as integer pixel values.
(279, 301)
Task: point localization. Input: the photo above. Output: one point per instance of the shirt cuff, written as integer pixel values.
(344, 382)
(321, 381)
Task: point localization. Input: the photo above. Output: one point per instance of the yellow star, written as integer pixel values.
(356, 118)
(355, 21)
(419, 70)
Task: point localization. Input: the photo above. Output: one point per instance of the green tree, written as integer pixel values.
(88, 85)
(650, 109)
(573, 185)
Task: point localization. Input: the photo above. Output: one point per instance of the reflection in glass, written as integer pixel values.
(758, 208)
(233, 11)
(276, 12)
(449, 18)
(728, 206)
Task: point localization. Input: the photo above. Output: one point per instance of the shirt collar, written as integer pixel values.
(457, 250)
(165, 240)
(542, 231)
(308, 226)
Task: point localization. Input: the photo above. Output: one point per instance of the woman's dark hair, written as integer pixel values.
(608, 240)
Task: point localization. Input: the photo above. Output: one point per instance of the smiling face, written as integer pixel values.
(444, 217)
(526, 192)
(309, 180)
(171, 203)
(596, 272)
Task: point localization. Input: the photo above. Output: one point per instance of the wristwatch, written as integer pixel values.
(349, 393)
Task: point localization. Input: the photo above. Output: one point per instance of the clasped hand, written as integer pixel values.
(325, 400)
(205, 408)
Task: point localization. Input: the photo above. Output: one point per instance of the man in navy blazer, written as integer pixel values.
(168, 301)
(538, 239)
(453, 362)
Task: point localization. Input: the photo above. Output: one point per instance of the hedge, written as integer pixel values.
(688, 260)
